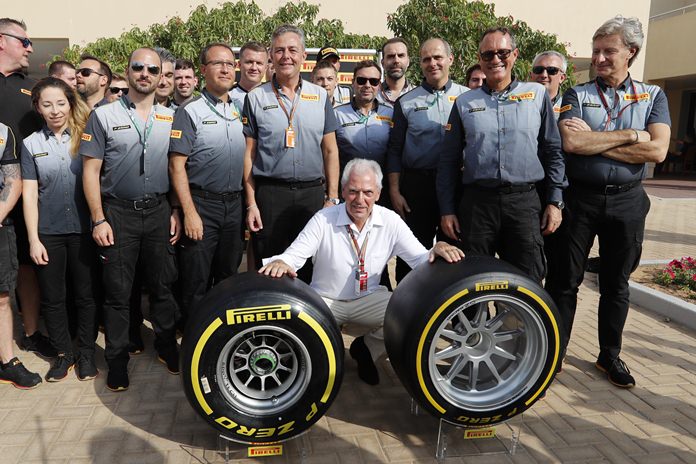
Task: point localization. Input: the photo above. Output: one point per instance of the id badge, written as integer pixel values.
(289, 137)
(360, 281)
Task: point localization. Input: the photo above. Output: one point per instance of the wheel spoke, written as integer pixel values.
(456, 367)
(494, 370)
(448, 352)
(473, 375)
(497, 321)
(452, 335)
(481, 314)
(463, 320)
(507, 335)
(504, 354)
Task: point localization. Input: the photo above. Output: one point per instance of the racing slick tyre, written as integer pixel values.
(474, 343)
(262, 358)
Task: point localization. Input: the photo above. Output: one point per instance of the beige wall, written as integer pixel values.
(671, 47)
(82, 21)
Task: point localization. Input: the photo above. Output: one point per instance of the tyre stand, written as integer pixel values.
(476, 441)
(232, 451)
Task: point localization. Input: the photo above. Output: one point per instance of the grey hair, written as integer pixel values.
(288, 28)
(445, 44)
(564, 60)
(630, 30)
(501, 30)
(362, 166)
(165, 55)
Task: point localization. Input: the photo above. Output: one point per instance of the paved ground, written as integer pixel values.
(583, 418)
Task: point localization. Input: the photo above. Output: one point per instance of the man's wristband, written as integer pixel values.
(98, 223)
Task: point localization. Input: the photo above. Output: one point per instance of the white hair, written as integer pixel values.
(362, 166)
(564, 60)
(630, 30)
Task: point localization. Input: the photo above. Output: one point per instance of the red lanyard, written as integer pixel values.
(616, 102)
(295, 104)
(360, 253)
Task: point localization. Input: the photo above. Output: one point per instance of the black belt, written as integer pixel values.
(229, 196)
(421, 172)
(137, 205)
(610, 189)
(290, 184)
(504, 189)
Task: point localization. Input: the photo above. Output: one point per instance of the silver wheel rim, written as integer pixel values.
(263, 370)
(488, 353)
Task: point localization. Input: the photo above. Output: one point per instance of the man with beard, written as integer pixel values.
(125, 155)
(395, 62)
(185, 82)
(206, 157)
(65, 71)
(93, 79)
(420, 124)
(165, 88)
(253, 61)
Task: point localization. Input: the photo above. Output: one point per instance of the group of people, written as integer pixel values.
(134, 178)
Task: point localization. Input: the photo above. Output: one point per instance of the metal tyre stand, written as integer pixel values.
(232, 451)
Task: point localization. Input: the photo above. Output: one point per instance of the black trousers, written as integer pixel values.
(619, 222)
(73, 255)
(417, 186)
(144, 234)
(506, 224)
(220, 251)
(285, 210)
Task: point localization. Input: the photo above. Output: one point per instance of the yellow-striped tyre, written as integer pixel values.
(474, 343)
(262, 358)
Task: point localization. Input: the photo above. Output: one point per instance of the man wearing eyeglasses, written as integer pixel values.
(125, 150)
(93, 80)
(611, 127)
(420, 124)
(17, 113)
(291, 158)
(206, 157)
(505, 133)
(549, 69)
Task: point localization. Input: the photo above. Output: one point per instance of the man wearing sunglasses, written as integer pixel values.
(506, 134)
(93, 80)
(117, 89)
(17, 113)
(611, 127)
(420, 124)
(549, 70)
(206, 157)
(125, 150)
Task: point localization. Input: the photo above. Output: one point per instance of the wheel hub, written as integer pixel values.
(263, 361)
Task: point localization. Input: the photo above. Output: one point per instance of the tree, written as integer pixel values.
(461, 24)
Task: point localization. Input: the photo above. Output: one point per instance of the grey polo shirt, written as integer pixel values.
(504, 138)
(238, 94)
(8, 150)
(386, 96)
(62, 205)
(634, 105)
(265, 121)
(360, 136)
(420, 122)
(341, 95)
(135, 157)
(209, 132)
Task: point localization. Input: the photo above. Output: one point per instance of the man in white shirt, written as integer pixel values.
(351, 244)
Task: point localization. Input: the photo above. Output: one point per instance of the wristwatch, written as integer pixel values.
(335, 201)
(558, 204)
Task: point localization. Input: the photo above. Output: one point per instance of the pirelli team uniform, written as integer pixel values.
(363, 136)
(134, 185)
(508, 141)
(208, 132)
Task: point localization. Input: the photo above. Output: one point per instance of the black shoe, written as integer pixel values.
(16, 374)
(86, 369)
(63, 364)
(367, 371)
(171, 360)
(617, 372)
(117, 378)
(38, 343)
(136, 345)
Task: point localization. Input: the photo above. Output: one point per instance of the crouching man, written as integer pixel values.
(350, 245)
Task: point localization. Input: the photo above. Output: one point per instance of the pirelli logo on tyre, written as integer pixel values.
(496, 285)
(258, 314)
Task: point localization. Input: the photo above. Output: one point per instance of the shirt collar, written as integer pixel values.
(127, 101)
(510, 87)
(623, 86)
(427, 86)
(375, 219)
(48, 132)
(237, 85)
(277, 85)
(375, 104)
(211, 98)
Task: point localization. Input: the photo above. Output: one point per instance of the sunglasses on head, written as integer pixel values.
(550, 70)
(86, 72)
(374, 81)
(26, 43)
(115, 90)
(501, 54)
(138, 66)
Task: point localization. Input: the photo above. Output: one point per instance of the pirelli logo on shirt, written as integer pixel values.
(522, 96)
(2, 141)
(314, 98)
(383, 118)
(39, 155)
(25, 92)
(452, 98)
(448, 127)
(565, 108)
(175, 134)
(245, 120)
(164, 117)
(86, 137)
(639, 97)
